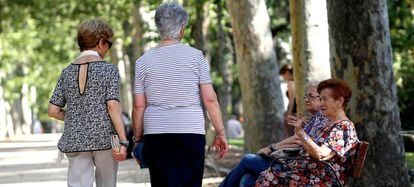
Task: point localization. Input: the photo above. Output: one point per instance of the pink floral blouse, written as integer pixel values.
(340, 137)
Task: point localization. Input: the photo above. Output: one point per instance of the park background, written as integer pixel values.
(369, 43)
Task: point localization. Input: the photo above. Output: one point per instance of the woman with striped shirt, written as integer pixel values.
(169, 81)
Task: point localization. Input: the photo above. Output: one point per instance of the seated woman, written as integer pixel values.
(249, 168)
(334, 144)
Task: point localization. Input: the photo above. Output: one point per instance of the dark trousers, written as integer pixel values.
(175, 160)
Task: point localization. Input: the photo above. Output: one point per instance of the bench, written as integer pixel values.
(359, 160)
(357, 165)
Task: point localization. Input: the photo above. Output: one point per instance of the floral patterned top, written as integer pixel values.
(88, 126)
(340, 137)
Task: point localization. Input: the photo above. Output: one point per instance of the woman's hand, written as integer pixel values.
(298, 124)
(264, 151)
(295, 121)
(220, 143)
(121, 154)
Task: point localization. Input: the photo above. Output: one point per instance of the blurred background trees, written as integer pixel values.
(38, 39)
(401, 17)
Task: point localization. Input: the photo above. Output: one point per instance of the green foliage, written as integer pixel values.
(401, 16)
(240, 143)
(409, 160)
(38, 39)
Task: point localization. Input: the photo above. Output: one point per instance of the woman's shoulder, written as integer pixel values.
(145, 56)
(190, 48)
(178, 49)
(68, 69)
(184, 49)
(105, 64)
(345, 124)
(104, 67)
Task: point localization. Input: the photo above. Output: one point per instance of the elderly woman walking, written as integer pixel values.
(169, 81)
(89, 88)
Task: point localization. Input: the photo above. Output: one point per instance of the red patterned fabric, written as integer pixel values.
(340, 137)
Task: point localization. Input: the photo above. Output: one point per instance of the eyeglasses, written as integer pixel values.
(311, 97)
(109, 44)
(325, 98)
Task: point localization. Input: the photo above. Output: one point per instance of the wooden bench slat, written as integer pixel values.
(361, 154)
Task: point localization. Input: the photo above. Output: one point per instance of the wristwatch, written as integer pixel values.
(305, 137)
(272, 147)
(124, 143)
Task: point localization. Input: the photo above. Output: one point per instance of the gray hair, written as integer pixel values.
(312, 83)
(169, 18)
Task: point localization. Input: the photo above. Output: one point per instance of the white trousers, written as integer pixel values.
(82, 166)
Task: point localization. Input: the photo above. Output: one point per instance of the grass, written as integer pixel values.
(409, 160)
(240, 142)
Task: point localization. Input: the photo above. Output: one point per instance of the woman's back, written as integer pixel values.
(170, 77)
(87, 123)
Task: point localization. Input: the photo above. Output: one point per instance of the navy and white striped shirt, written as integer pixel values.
(170, 77)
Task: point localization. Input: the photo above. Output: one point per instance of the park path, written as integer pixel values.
(32, 161)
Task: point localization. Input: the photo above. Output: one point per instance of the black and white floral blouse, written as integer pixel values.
(88, 126)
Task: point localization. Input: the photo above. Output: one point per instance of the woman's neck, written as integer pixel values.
(89, 52)
(166, 42)
(87, 56)
(340, 115)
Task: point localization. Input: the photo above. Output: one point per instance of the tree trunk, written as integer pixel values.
(260, 85)
(136, 48)
(310, 45)
(9, 121)
(36, 127)
(225, 60)
(120, 58)
(26, 110)
(361, 54)
(199, 32)
(16, 114)
(3, 114)
(200, 28)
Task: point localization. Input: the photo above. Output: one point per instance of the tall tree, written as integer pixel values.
(136, 49)
(262, 97)
(3, 112)
(200, 27)
(225, 61)
(401, 16)
(310, 45)
(119, 57)
(361, 54)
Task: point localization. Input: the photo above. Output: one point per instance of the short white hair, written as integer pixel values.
(169, 18)
(312, 83)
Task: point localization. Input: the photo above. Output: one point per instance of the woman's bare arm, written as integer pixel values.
(140, 103)
(114, 110)
(56, 112)
(314, 150)
(209, 97)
